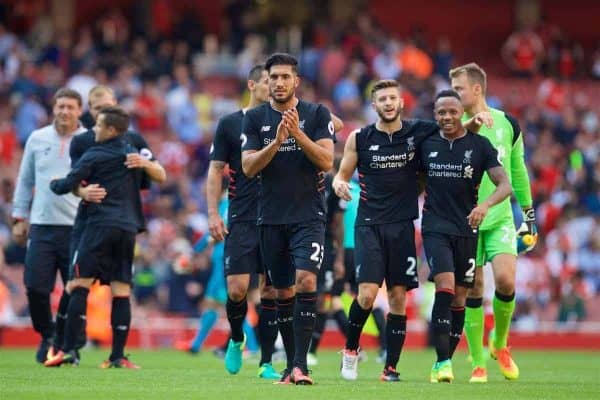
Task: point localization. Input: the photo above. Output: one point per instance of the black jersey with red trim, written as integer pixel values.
(291, 186)
(387, 171)
(227, 147)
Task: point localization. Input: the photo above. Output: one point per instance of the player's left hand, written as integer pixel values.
(527, 233)
(291, 119)
(477, 215)
(135, 160)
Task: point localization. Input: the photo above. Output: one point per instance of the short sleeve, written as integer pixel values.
(250, 136)
(140, 143)
(323, 124)
(489, 153)
(219, 150)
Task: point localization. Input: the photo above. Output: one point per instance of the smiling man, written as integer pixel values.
(51, 217)
(385, 155)
(454, 162)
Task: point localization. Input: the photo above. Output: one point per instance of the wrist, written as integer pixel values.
(529, 214)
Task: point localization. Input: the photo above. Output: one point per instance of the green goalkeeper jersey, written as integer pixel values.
(507, 138)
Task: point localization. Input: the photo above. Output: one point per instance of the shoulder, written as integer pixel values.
(41, 133)
(232, 117)
(257, 111)
(420, 126)
(479, 140)
(507, 118)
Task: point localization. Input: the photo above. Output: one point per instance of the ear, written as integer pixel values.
(251, 85)
(296, 82)
(401, 102)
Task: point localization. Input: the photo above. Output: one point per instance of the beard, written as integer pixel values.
(282, 100)
(382, 116)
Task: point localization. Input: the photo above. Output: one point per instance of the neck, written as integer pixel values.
(389, 127)
(63, 130)
(281, 107)
(479, 106)
(252, 103)
(454, 135)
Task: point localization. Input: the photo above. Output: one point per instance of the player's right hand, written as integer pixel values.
(216, 227)
(342, 189)
(93, 193)
(282, 133)
(19, 232)
(484, 118)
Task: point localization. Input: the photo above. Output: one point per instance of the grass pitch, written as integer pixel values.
(168, 375)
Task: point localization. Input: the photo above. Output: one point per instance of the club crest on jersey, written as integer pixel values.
(374, 147)
(499, 133)
(411, 143)
(265, 128)
(468, 154)
(468, 172)
(301, 124)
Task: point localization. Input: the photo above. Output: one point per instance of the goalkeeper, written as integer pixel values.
(497, 241)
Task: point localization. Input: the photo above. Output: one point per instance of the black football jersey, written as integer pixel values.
(291, 186)
(387, 170)
(227, 147)
(453, 172)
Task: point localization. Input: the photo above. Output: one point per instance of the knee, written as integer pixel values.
(306, 281)
(267, 292)
(397, 301)
(460, 297)
(120, 289)
(236, 291)
(505, 283)
(477, 289)
(366, 297)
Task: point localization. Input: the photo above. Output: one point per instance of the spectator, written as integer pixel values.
(523, 52)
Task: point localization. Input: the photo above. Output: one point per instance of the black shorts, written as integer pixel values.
(286, 248)
(325, 279)
(386, 251)
(448, 253)
(242, 250)
(105, 253)
(350, 269)
(76, 234)
(47, 252)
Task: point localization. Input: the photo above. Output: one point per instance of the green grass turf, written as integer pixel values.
(168, 375)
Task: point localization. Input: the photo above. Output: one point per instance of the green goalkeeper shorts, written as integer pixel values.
(502, 239)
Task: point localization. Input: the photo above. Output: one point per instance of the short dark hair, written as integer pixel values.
(447, 93)
(116, 117)
(69, 93)
(256, 72)
(281, 59)
(475, 74)
(384, 84)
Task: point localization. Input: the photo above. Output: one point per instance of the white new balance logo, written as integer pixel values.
(374, 147)
(265, 128)
(433, 154)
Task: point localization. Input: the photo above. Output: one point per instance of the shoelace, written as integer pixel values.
(349, 361)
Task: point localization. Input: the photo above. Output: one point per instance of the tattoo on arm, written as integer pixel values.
(497, 175)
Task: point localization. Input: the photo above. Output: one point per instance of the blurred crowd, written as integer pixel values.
(177, 89)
